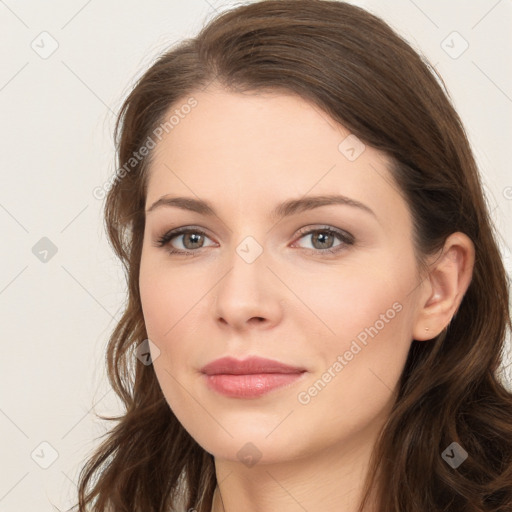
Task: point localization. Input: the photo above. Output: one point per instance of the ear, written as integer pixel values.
(444, 287)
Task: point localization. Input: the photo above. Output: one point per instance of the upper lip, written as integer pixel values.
(251, 365)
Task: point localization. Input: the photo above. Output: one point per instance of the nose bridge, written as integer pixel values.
(247, 237)
(248, 265)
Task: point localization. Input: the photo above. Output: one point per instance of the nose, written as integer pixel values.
(249, 295)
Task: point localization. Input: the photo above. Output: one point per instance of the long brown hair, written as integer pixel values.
(355, 68)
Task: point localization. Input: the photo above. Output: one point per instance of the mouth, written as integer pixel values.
(249, 378)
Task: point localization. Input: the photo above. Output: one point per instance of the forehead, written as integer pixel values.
(263, 148)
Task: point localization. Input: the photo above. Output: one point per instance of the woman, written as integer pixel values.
(317, 304)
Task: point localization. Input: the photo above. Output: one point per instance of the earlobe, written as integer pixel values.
(447, 281)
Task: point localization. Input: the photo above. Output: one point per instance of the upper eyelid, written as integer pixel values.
(301, 231)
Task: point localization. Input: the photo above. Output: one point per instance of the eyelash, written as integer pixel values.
(345, 237)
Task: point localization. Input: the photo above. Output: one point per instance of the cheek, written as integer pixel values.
(167, 299)
(367, 317)
(174, 304)
(167, 295)
(348, 301)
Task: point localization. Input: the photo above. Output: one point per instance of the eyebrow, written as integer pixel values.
(285, 209)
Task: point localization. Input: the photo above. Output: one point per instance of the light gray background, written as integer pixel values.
(57, 117)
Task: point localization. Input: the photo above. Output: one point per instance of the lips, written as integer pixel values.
(250, 378)
(250, 366)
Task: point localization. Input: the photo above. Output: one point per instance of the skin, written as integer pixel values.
(245, 153)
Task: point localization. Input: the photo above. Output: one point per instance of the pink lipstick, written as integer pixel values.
(250, 378)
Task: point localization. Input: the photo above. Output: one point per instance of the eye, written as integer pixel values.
(192, 239)
(323, 237)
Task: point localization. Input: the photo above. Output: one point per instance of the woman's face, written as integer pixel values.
(329, 288)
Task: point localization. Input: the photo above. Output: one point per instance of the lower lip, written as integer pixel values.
(250, 385)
